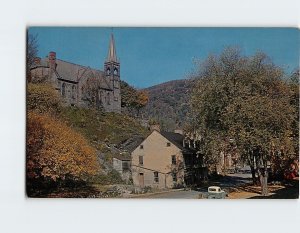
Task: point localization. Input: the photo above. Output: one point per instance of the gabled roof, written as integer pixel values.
(122, 157)
(132, 143)
(73, 72)
(175, 138)
(69, 71)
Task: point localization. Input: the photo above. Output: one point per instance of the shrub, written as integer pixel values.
(112, 177)
(43, 98)
(57, 152)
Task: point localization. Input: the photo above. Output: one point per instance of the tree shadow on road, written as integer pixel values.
(290, 191)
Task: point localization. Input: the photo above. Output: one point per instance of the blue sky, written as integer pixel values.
(151, 56)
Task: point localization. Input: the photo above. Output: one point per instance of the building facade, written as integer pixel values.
(122, 165)
(80, 85)
(160, 161)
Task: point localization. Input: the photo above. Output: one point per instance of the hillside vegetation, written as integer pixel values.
(101, 127)
(70, 144)
(169, 103)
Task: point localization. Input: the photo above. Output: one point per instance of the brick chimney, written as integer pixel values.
(155, 127)
(52, 60)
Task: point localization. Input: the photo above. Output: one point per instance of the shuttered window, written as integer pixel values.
(156, 179)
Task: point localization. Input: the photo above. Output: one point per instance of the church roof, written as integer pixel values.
(73, 72)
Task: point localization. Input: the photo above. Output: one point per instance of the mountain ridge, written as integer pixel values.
(169, 103)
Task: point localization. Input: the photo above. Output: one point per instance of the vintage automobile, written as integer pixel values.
(215, 192)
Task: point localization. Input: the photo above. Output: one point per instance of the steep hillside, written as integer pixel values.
(168, 103)
(67, 145)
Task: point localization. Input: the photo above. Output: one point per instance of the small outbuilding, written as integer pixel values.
(122, 164)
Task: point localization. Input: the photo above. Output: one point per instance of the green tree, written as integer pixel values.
(244, 100)
(132, 99)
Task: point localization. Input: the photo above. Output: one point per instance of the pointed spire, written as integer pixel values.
(112, 50)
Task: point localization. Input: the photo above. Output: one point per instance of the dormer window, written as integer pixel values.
(168, 144)
(141, 147)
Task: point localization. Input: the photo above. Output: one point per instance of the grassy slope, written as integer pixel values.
(112, 128)
(101, 129)
(96, 126)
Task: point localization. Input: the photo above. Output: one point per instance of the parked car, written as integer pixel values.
(245, 170)
(214, 192)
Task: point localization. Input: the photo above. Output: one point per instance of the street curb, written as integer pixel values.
(152, 194)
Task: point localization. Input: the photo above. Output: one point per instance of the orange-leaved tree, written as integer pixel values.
(43, 98)
(56, 151)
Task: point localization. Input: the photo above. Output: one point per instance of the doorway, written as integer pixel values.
(141, 180)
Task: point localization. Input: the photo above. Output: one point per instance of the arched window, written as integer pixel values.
(63, 89)
(73, 91)
(108, 98)
(108, 71)
(115, 71)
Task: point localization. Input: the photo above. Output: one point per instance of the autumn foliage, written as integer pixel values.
(132, 98)
(43, 98)
(55, 151)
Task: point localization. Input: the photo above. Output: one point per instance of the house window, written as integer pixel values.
(141, 147)
(174, 176)
(125, 166)
(156, 179)
(141, 160)
(174, 159)
(168, 144)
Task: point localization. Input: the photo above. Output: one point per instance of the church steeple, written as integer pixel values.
(112, 56)
(112, 75)
(112, 64)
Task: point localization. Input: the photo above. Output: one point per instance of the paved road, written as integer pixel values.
(191, 194)
(232, 180)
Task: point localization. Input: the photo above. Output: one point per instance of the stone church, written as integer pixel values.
(80, 85)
